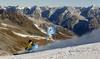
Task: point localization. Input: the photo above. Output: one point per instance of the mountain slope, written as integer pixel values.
(16, 29)
(77, 48)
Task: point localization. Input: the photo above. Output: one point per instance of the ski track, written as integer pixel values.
(88, 51)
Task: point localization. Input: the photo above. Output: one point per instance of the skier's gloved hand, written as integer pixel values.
(26, 48)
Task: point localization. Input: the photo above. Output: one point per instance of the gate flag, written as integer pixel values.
(51, 30)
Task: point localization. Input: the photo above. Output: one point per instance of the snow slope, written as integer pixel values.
(85, 47)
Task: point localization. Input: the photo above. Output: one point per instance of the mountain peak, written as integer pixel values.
(19, 7)
(94, 6)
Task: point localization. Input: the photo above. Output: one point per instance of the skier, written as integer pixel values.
(34, 46)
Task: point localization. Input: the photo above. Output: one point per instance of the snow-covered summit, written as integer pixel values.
(94, 6)
(46, 7)
(35, 7)
(19, 7)
(1, 7)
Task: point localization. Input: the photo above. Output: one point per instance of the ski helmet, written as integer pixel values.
(29, 41)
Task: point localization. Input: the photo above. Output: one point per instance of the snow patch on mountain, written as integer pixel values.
(39, 21)
(31, 36)
(77, 13)
(4, 24)
(41, 29)
(3, 28)
(23, 35)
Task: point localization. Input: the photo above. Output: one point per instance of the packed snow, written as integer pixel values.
(85, 47)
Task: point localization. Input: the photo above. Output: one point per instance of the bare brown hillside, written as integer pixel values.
(11, 43)
(13, 22)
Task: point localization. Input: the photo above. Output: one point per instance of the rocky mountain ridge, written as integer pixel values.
(77, 19)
